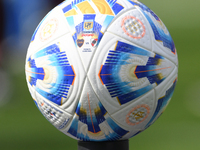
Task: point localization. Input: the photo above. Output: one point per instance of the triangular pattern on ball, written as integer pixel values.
(91, 121)
(138, 113)
(162, 37)
(126, 72)
(55, 73)
(51, 27)
(88, 27)
(133, 27)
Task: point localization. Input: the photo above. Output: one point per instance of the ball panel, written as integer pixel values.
(119, 71)
(137, 114)
(56, 74)
(88, 21)
(159, 49)
(51, 74)
(164, 100)
(162, 37)
(56, 116)
(91, 121)
(51, 27)
(108, 42)
(79, 75)
(133, 27)
(122, 72)
(162, 88)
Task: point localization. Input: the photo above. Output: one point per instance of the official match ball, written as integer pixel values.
(101, 70)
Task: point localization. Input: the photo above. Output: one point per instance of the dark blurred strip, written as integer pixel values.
(56, 2)
(1, 27)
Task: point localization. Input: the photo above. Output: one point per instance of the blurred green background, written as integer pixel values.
(23, 127)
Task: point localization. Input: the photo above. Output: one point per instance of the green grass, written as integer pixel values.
(23, 127)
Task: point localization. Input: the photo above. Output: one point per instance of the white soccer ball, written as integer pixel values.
(101, 70)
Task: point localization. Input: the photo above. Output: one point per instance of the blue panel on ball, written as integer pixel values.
(159, 33)
(118, 130)
(162, 103)
(93, 123)
(117, 8)
(58, 61)
(118, 58)
(74, 127)
(123, 56)
(125, 98)
(67, 8)
(131, 49)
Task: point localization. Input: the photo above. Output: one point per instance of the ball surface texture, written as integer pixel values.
(101, 70)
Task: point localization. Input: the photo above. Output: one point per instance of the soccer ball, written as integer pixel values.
(101, 70)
